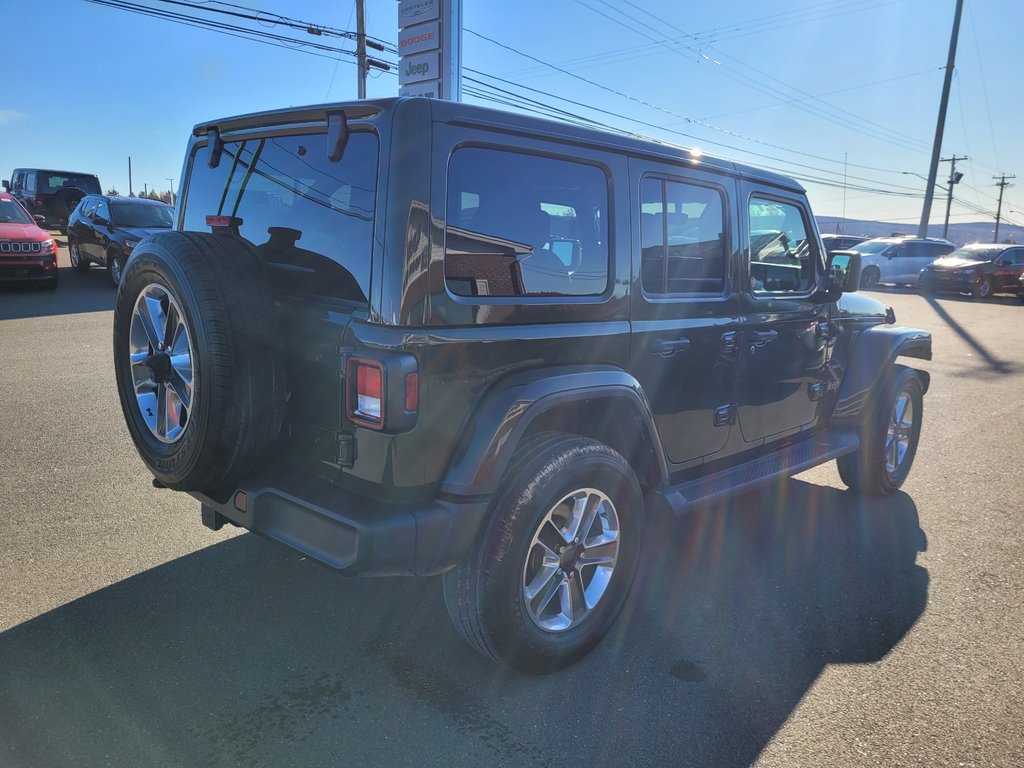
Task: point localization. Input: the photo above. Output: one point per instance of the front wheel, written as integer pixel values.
(983, 289)
(79, 262)
(556, 560)
(115, 267)
(869, 277)
(889, 439)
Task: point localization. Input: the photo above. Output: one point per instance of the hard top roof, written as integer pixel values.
(53, 170)
(451, 111)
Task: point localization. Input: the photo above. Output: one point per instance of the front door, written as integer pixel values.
(785, 333)
(684, 346)
(1008, 270)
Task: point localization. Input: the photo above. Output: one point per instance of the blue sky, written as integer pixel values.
(786, 84)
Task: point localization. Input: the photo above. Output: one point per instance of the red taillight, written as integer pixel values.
(412, 391)
(222, 222)
(368, 376)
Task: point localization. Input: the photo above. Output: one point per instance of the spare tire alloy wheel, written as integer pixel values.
(161, 355)
(571, 560)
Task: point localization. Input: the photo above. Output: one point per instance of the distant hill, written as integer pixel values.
(961, 233)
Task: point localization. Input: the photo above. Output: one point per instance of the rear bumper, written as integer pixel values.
(352, 534)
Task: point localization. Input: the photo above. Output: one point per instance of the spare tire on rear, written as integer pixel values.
(196, 359)
(67, 199)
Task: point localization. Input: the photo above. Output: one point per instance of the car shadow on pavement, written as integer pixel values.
(994, 363)
(245, 654)
(77, 292)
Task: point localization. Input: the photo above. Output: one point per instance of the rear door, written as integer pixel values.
(685, 322)
(1009, 268)
(785, 336)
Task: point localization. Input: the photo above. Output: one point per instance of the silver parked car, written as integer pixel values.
(898, 260)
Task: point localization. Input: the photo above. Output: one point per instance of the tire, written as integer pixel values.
(983, 289)
(225, 360)
(871, 469)
(869, 278)
(115, 267)
(79, 262)
(1020, 297)
(486, 594)
(66, 200)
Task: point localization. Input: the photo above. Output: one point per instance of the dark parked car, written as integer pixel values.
(1020, 288)
(980, 269)
(841, 242)
(27, 253)
(104, 230)
(419, 336)
(51, 194)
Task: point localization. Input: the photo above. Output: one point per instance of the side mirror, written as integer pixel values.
(40, 219)
(843, 271)
(99, 221)
(7, 185)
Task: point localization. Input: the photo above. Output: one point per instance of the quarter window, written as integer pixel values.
(782, 255)
(524, 225)
(682, 238)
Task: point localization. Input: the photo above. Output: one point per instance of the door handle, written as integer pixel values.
(762, 338)
(670, 346)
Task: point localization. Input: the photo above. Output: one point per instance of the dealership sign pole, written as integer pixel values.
(430, 48)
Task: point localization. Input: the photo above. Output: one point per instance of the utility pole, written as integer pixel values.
(129, 175)
(839, 228)
(954, 178)
(933, 169)
(1002, 184)
(361, 47)
(172, 188)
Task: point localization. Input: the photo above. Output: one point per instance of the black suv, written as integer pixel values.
(416, 336)
(51, 194)
(104, 230)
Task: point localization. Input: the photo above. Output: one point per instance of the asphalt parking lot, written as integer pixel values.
(800, 626)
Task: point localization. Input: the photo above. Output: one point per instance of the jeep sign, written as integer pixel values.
(424, 66)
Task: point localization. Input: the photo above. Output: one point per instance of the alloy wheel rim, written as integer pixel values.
(571, 559)
(897, 438)
(73, 254)
(160, 355)
(115, 270)
(984, 289)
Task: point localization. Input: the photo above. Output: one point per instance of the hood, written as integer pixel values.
(859, 305)
(141, 232)
(28, 232)
(955, 262)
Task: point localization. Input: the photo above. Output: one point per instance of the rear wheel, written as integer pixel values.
(556, 560)
(889, 438)
(869, 277)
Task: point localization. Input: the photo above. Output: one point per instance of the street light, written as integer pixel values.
(172, 188)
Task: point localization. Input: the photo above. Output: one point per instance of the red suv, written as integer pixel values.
(27, 253)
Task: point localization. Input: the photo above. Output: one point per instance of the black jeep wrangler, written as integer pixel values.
(411, 336)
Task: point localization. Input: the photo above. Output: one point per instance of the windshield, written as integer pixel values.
(51, 182)
(11, 212)
(142, 215)
(873, 246)
(976, 254)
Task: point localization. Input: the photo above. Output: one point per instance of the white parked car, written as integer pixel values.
(898, 259)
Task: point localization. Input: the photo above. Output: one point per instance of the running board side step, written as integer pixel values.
(787, 461)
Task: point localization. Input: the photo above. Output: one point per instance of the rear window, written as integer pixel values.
(310, 219)
(53, 182)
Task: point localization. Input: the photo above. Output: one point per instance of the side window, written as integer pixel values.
(102, 211)
(1017, 256)
(782, 255)
(682, 238)
(30, 182)
(16, 182)
(89, 207)
(524, 225)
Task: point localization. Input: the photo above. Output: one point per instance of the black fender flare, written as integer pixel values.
(874, 351)
(505, 415)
